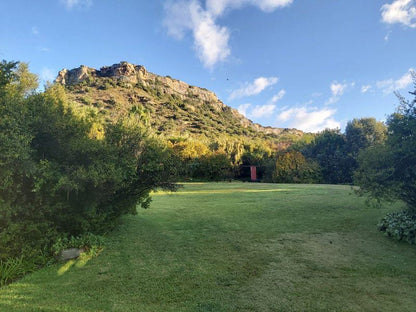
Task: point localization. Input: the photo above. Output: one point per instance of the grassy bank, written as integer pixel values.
(235, 247)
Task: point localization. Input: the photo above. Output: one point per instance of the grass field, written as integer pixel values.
(235, 247)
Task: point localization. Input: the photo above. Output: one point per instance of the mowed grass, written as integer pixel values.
(235, 247)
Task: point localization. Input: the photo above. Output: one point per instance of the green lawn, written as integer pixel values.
(235, 247)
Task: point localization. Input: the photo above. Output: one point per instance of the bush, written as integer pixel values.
(293, 167)
(400, 226)
(87, 242)
(10, 270)
(388, 171)
(58, 178)
(214, 167)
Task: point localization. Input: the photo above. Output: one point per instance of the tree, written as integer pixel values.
(57, 176)
(293, 167)
(214, 167)
(329, 150)
(388, 171)
(363, 133)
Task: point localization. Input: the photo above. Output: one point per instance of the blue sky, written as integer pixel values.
(308, 64)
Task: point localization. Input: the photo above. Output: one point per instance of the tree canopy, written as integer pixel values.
(58, 176)
(388, 171)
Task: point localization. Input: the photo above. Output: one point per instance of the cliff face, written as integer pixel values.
(137, 74)
(196, 101)
(123, 71)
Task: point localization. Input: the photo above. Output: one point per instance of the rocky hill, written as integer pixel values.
(171, 107)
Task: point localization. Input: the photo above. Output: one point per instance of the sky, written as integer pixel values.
(305, 64)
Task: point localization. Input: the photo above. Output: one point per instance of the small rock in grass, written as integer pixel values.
(71, 253)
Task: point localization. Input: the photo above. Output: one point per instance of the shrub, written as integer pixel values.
(400, 226)
(293, 167)
(388, 171)
(58, 177)
(10, 270)
(87, 242)
(213, 167)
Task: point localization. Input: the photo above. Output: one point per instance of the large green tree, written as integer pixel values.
(388, 170)
(62, 172)
(328, 149)
(362, 133)
(293, 167)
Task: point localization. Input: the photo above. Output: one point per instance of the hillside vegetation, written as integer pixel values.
(171, 107)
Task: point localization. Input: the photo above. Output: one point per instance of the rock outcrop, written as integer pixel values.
(136, 75)
(123, 71)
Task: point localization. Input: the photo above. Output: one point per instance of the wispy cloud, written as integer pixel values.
(253, 88)
(365, 89)
(242, 109)
(399, 12)
(71, 4)
(218, 7)
(278, 96)
(391, 85)
(211, 41)
(260, 111)
(309, 119)
(337, 90)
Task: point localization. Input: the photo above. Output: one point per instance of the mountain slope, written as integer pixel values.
(171, 107)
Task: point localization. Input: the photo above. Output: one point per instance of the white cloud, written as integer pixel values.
(309, 120)
(47, 74)
(278, 96)
(387, 36)
(257, 86)
(70, 4)
(211, 41)
(365, 88)
(242, 109)
(337, 90)
(262, 110)
(177, 20)
(399, 11)
(391, 85)
(218, 7)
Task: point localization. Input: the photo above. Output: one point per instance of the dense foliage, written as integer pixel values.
(293, 167)
(388, 171)
(63, 172)
(400, 225)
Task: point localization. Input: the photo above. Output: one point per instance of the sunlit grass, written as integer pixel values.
(235, 247)
(232, 191)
